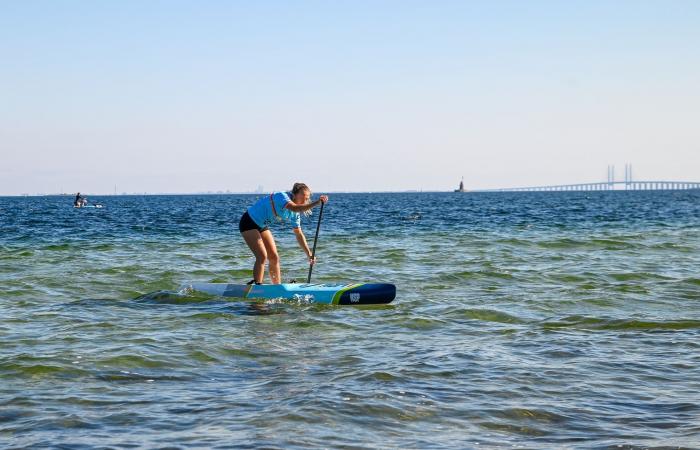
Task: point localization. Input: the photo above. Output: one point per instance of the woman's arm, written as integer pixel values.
(301, 239)
(301, 208)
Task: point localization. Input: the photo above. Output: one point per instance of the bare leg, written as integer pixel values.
(255, 243)
(272, 256)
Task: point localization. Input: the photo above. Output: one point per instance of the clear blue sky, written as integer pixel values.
(171, 96)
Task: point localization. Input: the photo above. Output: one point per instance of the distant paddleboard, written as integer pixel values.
(330, 294)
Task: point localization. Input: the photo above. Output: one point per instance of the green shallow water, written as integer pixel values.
(553, 320)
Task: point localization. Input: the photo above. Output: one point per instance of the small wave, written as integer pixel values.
(101, 247)
(380, 376)
(57, 247)
(514, 242)
(672, 246)
(605, 244)
(613, 244)
(203, 357)
(421, 323)
(523, 421)
(12, 415)
(472, 274)
(593, 323)
(567, 278)
(631, 289)
(638, 276)
(247, 354)
(201, 273)
(11, 254)
(31, 367)
(128, 376)
(229, 310)
(134, 361)
(530, 414)
(173, 297)
(514, 428)
(487, 315)
(561, 243)
(692, 281)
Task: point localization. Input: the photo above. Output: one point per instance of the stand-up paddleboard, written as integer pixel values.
(330, 294)
(324, 293)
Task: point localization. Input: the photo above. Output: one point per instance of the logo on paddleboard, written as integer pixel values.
(354, 297)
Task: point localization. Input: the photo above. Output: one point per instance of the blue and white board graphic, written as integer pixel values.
(330, 294)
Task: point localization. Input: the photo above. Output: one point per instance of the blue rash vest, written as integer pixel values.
(262, 214)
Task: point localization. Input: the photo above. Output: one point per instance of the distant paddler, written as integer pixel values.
(79, 201)
(82, 202)
(280, 207)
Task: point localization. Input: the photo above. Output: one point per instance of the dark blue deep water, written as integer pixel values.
(523, 320)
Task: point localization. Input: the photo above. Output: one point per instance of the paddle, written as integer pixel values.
(313, 251)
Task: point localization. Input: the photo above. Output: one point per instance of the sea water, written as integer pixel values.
(524, 320)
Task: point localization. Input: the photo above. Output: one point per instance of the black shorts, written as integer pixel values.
(247, 223)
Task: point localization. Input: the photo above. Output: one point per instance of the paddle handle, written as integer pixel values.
(313, 251)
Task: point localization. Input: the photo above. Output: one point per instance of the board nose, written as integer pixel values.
(369, 294)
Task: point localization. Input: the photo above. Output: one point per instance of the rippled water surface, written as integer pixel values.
(540, 320)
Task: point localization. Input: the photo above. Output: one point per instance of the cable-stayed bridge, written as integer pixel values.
(610, 185)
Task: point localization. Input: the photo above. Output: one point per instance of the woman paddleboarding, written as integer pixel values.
(281, 207)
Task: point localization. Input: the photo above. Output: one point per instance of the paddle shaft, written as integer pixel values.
(313, 251)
